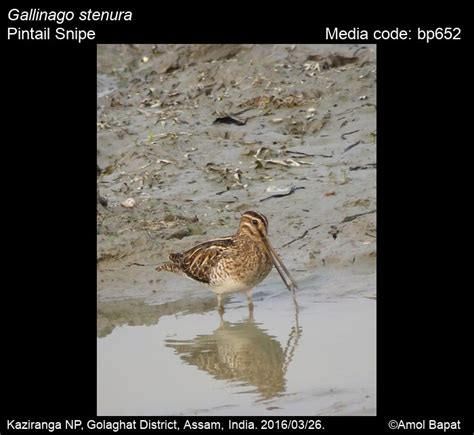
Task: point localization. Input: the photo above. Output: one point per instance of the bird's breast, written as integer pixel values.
(242, 271)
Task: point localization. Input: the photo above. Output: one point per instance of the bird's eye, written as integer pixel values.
(255, 222)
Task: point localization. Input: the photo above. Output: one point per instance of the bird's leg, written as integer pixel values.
(250, 301)
(221, 316)
(220, 306)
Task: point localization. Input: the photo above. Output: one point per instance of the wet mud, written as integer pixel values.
(188, 138)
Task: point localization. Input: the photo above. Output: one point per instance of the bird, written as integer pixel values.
(233, 264)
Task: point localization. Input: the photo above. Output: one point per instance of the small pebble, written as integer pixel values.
(128, 203)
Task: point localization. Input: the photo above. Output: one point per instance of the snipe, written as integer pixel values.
(233, 264)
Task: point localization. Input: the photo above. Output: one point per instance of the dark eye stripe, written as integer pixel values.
(262, 218)
(255, 214)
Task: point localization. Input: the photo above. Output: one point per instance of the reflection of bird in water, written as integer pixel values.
(241, 352)
(233, 264)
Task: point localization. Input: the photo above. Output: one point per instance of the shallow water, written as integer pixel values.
(319, 362)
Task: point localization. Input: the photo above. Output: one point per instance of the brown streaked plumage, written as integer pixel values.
(233, 264)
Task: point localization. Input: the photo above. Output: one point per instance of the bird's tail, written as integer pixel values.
(170, 267)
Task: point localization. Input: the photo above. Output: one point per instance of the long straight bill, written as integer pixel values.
(282, 270)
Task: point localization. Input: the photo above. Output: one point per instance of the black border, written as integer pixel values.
(422, 189)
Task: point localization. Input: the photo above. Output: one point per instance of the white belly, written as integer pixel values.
(229, 286)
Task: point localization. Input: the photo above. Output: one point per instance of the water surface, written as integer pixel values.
(319, 362)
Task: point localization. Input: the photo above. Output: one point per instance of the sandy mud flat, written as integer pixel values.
(188, 138)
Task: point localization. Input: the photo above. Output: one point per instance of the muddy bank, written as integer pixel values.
(189, 137)
(191, 177)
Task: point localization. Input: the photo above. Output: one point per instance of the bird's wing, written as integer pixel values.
(199, 260)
